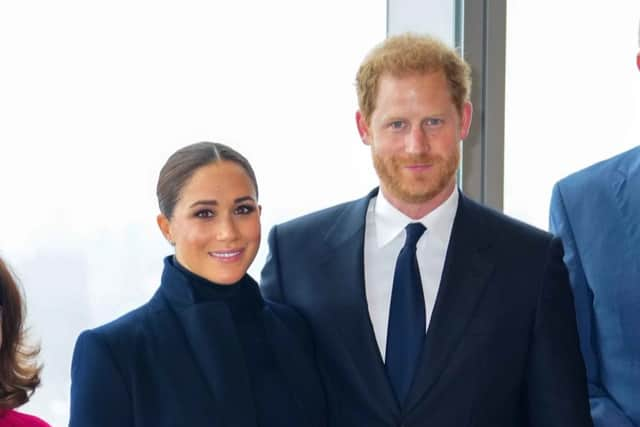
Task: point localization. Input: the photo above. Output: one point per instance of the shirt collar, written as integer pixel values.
(390, 222)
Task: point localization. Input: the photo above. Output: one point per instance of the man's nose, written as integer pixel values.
(417, 141)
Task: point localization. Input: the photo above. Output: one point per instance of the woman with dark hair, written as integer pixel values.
(19, 371)
(206, 350)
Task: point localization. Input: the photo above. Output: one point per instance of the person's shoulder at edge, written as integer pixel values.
(497, 223)
(623, 162)
(13, 418)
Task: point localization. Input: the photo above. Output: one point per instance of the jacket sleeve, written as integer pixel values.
(556, 380)
(604, 411)
(99, 396)
(270, 280)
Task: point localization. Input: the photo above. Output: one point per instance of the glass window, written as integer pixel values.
(572, 94)
(96, 96)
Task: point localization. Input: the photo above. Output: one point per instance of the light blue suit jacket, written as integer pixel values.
(596, 212)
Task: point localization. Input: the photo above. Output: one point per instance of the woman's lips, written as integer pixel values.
(230, 255)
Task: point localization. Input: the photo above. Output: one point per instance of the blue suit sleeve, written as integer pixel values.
(99, 396)
(270, 281)
(604, 411)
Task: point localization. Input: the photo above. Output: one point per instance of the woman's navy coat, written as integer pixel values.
(172, 362)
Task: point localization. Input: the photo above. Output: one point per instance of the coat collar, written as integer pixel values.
(221, 365)
(227, 379)
(183, 288)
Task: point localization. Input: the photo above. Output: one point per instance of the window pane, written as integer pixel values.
(572, 94)
(96, 96)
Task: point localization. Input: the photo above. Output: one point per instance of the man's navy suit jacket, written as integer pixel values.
(502, 347)
(176, 363)
(596, 212)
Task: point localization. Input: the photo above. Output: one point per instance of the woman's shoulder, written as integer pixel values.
(128, 328)
(125, 324)
(13, 418)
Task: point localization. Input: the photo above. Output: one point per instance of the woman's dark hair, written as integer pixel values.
(182, 164)
(19, 371)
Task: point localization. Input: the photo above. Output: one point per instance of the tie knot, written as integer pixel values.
(414, 232)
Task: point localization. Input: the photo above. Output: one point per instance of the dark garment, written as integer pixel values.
(502, 346)
(271, 397)
(199, 355)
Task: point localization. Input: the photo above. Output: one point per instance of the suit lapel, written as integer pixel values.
(215, 349)
(172, 357)
(621, 241)
(342, 273)
(625, 185)
(465, 276)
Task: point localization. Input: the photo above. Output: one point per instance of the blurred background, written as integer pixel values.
(94, 97)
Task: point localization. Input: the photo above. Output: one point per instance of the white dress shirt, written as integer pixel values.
(383, 240)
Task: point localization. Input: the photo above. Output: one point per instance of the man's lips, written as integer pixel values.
(418, 167)
(227, 255)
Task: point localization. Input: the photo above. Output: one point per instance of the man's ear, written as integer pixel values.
(363, 128)
(165, 227)
(465, 119)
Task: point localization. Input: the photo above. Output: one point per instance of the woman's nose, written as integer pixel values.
(226, 229)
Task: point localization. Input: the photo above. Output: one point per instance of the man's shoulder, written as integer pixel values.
(324, 219)
(595, 174)
(493, 222)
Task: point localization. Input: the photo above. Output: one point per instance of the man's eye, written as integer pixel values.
(244, 209)
(397, 124)
(433, 122)
(205, 213)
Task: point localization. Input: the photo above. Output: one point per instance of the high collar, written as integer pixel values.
(184, 288)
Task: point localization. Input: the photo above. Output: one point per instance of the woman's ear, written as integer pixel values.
(165, 228)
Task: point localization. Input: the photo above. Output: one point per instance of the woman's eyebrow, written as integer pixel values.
(244, 199)
(204, 202)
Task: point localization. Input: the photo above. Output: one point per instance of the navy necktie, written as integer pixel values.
(406, 331)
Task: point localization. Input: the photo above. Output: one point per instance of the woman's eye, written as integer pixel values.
(244, 209)
(205, 213)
